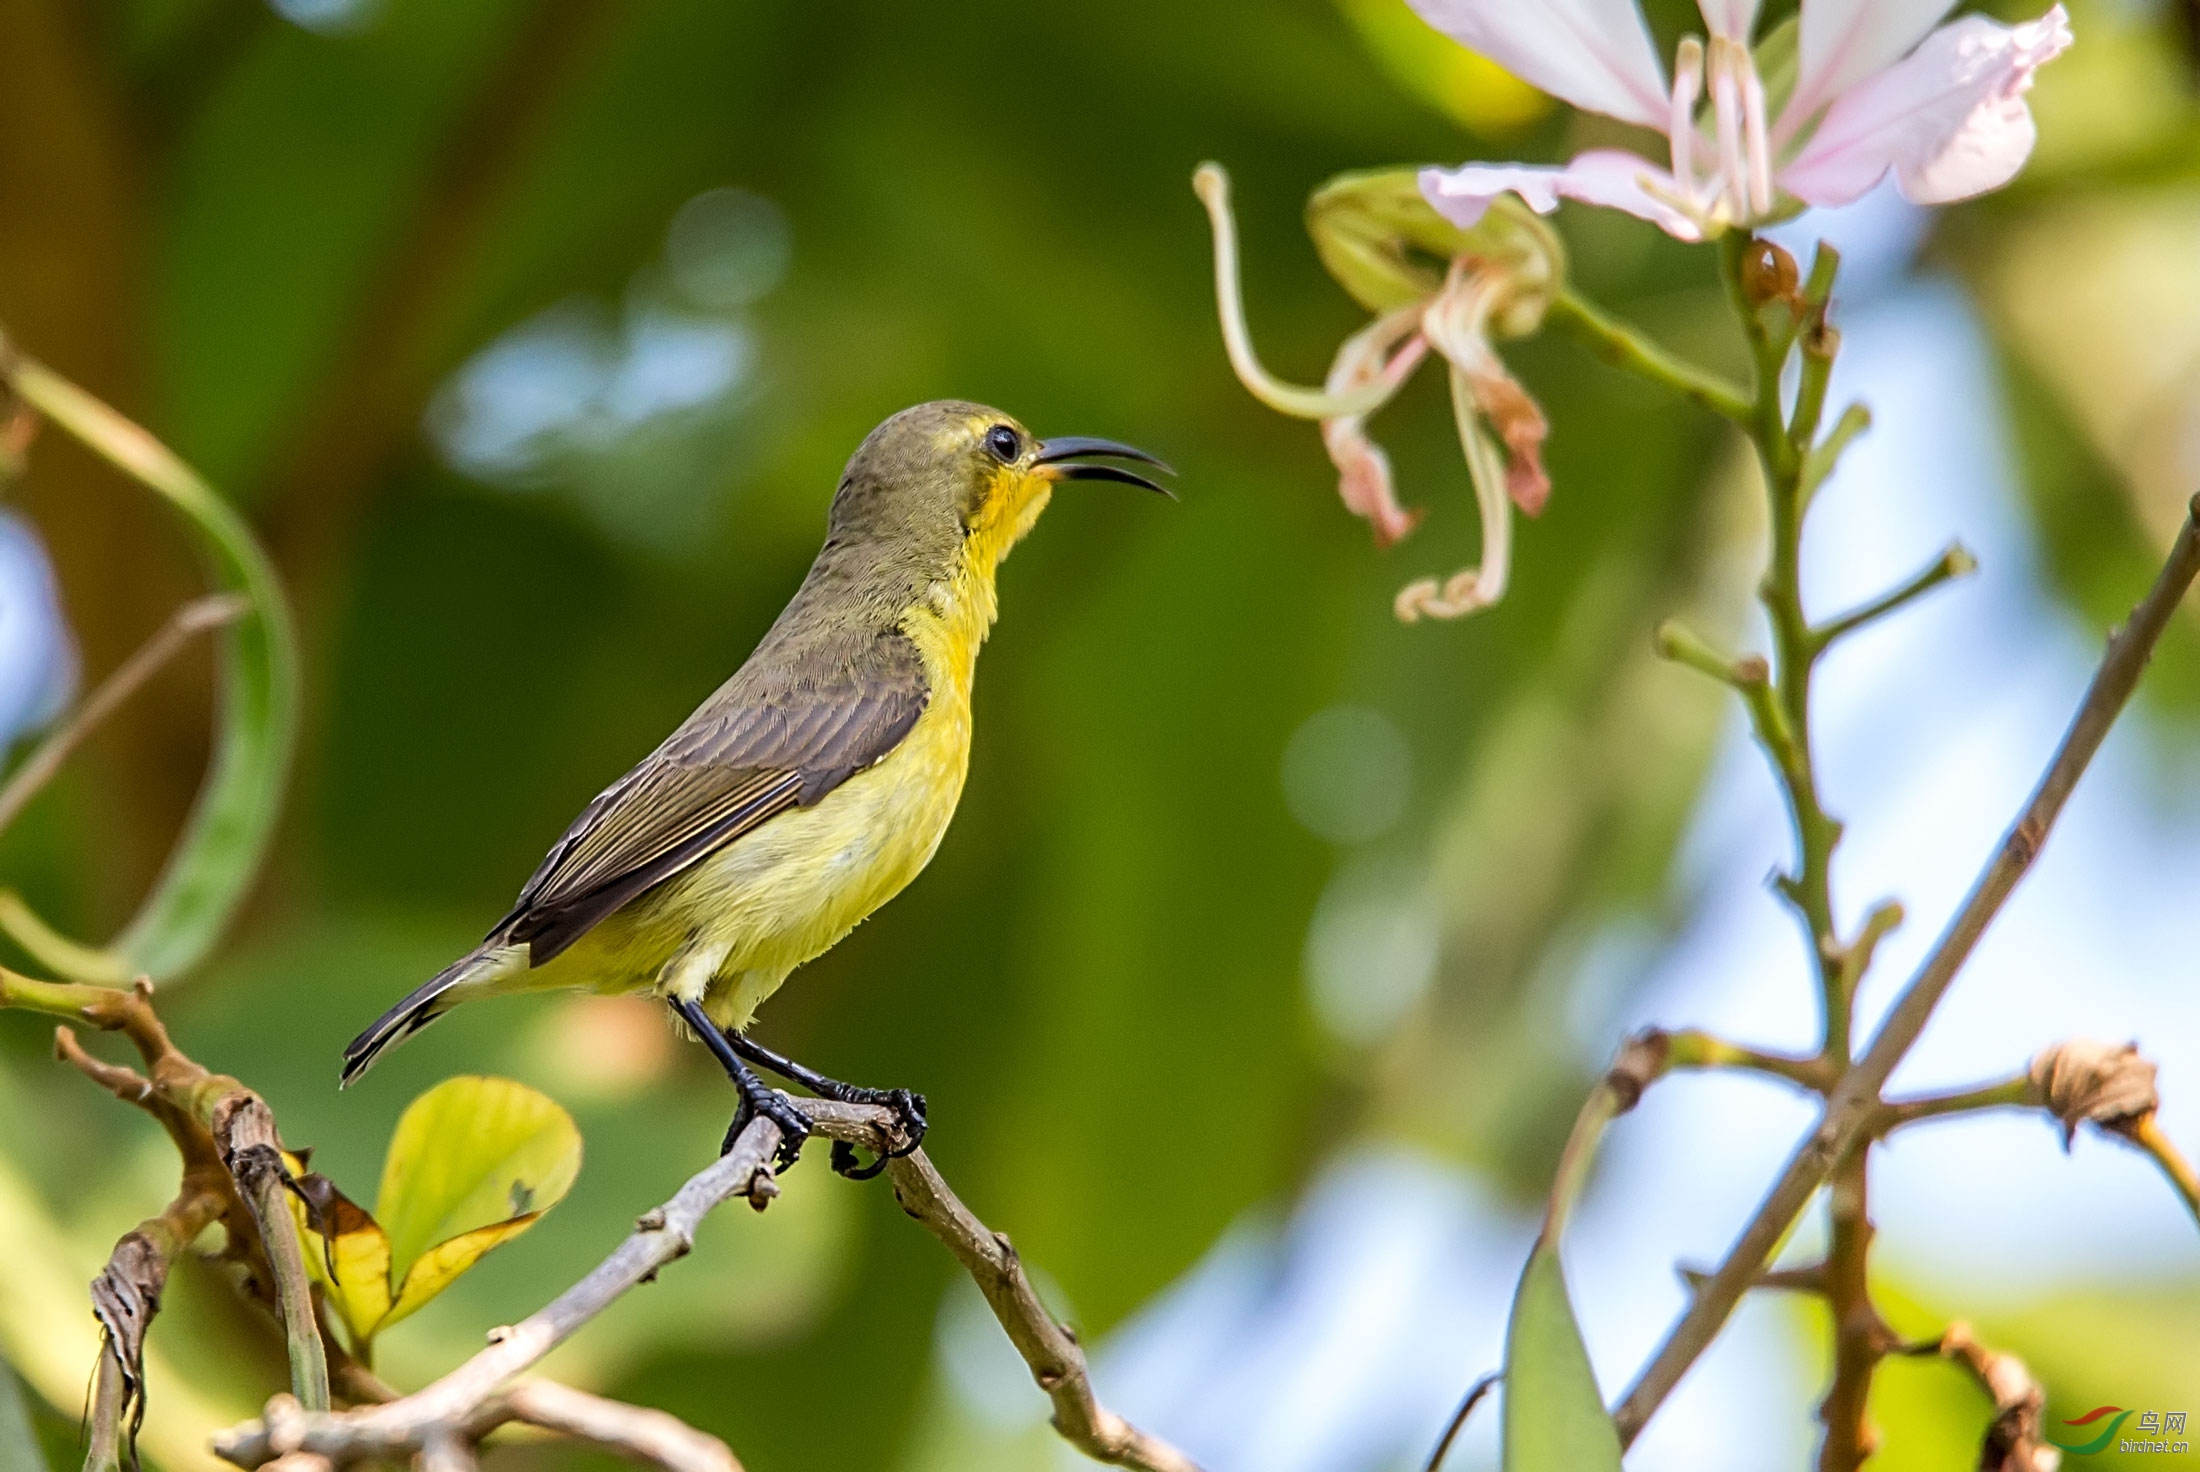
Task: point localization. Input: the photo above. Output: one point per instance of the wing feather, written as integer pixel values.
(781, 734)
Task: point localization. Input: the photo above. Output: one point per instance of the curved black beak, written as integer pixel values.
(1066, 459)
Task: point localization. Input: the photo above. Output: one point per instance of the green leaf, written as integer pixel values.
(474, 1163)
(1554, 1414)
(213, 863)
(469, 1153)
(219, 852)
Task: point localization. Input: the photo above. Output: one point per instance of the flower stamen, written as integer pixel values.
(1681, 127)
(1756, 137)
(1726, 112)
(1213, 188)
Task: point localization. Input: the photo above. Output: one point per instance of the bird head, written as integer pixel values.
(951, 483)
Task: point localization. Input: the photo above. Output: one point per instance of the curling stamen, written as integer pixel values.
(1213, 188)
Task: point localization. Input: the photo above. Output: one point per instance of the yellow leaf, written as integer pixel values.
(472, 1153)
(433, 1271)
(346, 1252)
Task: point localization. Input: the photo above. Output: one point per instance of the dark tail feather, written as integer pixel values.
(423, 1005)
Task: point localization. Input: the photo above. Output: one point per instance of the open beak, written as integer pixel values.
(1069, 457)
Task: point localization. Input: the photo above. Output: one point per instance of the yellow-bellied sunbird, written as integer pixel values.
(810, 787)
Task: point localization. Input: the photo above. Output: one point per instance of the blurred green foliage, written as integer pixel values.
(277, 247)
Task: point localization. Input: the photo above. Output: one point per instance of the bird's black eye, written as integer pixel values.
(1004, 442)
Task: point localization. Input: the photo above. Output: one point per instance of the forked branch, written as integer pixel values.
(1856, 1103)
(444, 1421)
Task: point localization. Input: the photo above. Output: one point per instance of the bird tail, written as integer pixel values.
(423, 1005)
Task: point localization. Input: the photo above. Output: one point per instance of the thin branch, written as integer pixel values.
(224, 1133)
(1641, 1061)
(442, 1421)
(1819, 463)
(196, 617)
(1954, 563)
(1810, 1278)
(1855, 1101)
(110, 1394)
(1842, 978)
(125, 1297)
(1458, 1422)
(1674, 640)
(1861, 1338)
(634, 1431)
(2017, 1092)
(2147, 1135)
(2015, 1439)
(1627, 347)
(244, 1131)
(1049, 1350)
(1693, 1048)
(422, 1423)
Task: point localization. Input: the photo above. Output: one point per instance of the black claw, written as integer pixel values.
(846, 1162)
(794, 1125)
(907, 1105)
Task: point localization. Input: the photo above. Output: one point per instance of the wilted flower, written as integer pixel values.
(1431, 285)
(2088, 1082)
(1853, 90)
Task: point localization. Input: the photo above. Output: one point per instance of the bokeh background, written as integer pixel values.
(1275, 943)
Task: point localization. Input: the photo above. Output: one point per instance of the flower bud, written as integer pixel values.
(1768, 274)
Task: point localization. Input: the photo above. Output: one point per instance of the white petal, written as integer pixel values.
(1732, 19)
(1595, 54)
(1950, 120)
(1845, 41)
(1610, 177)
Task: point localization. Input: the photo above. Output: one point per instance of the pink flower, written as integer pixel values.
(1500, 276)
(1878, 89)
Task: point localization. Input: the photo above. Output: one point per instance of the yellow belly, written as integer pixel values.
(727, 931)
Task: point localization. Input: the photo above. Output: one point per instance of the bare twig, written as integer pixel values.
(1856, 1100)
(125, 1297)
(1458, 1421)
(634, 1431)
(244, 1131)
(1810, 1278)
(224, 1133)
(196, 617)
(2015, 1439)
(2007, 1093)
(1861, 1339)
(410, 1425)
(1956, 562)
(1048, 1349)
(1641, 1061)
(110, 1392)
(2147, 1135)
(444, 1420)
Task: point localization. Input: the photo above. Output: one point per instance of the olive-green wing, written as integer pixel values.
(773, 738)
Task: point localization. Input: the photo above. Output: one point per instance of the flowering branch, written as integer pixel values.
(1855, 1103)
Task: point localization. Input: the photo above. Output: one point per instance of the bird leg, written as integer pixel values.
(908, 1106)
(756, 1097)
